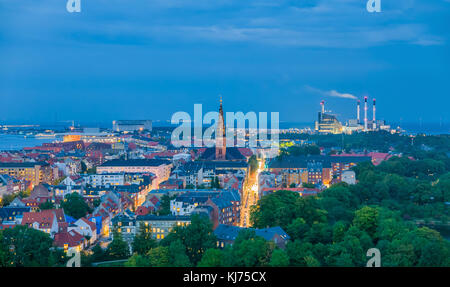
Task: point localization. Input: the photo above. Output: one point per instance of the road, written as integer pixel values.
(250, 195)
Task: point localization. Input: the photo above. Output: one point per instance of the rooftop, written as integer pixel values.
(136, 162)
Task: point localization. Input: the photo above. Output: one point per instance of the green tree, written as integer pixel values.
(98, 254)
(311, 261)
(7, 199)
(297, 251)
(212, 258)
(46, 205)
(143, 241)
(137, 261)
(164, 208)
(215, 183)
(197, 237)
(347, 253)
(250, 250)
(118, 248)
(276, 209)
(367, 219)
(279, 258)
(298, 229)
(96, 202)
(75, 206)
(159, 256)
(398, 253)
(24, 246)
(177, 253)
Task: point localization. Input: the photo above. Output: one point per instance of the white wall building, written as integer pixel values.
(348, 176)
(105, 179)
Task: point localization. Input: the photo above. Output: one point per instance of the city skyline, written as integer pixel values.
(150, 60)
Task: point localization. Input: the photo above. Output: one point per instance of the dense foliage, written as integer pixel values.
(382, 210)
(184, 246)
(75, 206)
(27, 247)
(381, 141)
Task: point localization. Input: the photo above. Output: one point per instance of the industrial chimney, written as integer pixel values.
(374, 122)
(357, 112)
(322, 103)
(365, 113)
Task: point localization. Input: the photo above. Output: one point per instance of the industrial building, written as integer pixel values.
(365, 125)
(328, 123)
(132, 125)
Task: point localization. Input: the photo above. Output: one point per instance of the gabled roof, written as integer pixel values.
(90, 223)
(71, 238)
(39, 191)
(44, 217)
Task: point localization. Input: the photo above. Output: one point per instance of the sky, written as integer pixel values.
(135, 59)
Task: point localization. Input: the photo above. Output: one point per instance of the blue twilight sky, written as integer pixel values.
(146, 59)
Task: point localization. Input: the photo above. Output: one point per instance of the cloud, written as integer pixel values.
(332, 93)
(286, 23)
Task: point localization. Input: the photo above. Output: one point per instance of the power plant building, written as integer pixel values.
(327, 123)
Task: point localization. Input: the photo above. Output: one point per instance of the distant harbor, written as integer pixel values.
(22, 136)
(17, 142)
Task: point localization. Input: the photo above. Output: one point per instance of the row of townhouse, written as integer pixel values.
(318, 169)
(160, 168)
(128, 224)
(224, 205)
(67, 232)
(204, 172)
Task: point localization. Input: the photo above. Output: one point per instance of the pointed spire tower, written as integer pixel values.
(221, 148)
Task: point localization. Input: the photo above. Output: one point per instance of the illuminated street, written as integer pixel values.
(250, 194)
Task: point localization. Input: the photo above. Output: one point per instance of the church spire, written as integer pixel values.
(220, 135)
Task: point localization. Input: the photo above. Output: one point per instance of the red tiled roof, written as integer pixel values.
(39, 191)
(142, 210)
(44, 217)
(71, 238)
(161, 154)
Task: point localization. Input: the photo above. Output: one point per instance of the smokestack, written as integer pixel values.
(365, 113)
(322, 103)
(374, 123)
(357, 112)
